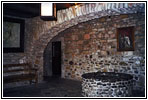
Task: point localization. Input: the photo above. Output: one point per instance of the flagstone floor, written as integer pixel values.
(54, 87)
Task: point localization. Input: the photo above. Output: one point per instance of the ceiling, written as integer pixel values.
(28, 10)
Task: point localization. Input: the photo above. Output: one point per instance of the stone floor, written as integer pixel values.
(53, 88)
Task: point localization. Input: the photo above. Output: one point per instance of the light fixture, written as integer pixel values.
(48, 11)
(76, 5)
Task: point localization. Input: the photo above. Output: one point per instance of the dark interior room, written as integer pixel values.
(73, 49)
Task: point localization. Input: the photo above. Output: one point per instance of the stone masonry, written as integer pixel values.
(107, 84)
(92, 47)
(89, 41)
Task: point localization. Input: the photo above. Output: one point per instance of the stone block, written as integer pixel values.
(37, 61)
(74, 37)
(123, 64)
(99, 35)
(106, 36)
(102, 19)
(73, 76)
(123, 16)
(93, 36)
(103, 53)
(80, 42)
(67, 68)
(104, 70)
(87, 36)
(80, 36)
(103, 40)
(67, 39)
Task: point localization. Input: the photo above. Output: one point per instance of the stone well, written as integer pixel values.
(107, 84)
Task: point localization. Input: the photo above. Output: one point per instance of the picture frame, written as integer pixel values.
(13, 35)
(125, 39)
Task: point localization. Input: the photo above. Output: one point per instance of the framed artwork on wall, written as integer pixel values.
(13, 35)
(125, 39)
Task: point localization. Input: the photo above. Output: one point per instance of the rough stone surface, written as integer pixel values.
(97, 52)
(107, 84)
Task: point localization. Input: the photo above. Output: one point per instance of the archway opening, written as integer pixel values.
(53, 58)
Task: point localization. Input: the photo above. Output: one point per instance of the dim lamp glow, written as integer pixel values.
(46, 9)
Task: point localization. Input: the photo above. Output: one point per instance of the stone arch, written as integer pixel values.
(47, 56)
(40, 44)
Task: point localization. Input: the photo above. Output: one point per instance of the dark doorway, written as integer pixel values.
(56, 59)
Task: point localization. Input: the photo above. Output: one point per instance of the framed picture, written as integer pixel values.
(125, 39)
(13, 35)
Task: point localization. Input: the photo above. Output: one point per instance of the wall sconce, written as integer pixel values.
(48, 11)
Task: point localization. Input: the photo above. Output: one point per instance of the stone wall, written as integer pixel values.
(92, 47)
(39, 33)
(46, 32)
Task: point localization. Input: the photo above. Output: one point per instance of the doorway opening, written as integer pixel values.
(56, 59)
